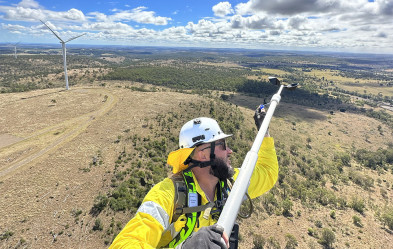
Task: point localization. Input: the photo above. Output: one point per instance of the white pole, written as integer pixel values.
(65, 64)
(15, 52)
(239, 189)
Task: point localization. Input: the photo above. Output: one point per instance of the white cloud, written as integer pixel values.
(202, 27)
(243, 9)
(100, 17)
(107, 26)
(73, 14)
(29, 4)
(206, 28)
(29, 14)
(319, 24)
(140, 15)
(20, 13)
(12, 27)
(252, 22)
(222, 9)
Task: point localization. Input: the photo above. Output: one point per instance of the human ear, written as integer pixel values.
(201, 155)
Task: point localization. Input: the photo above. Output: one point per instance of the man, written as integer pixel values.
(182, 211)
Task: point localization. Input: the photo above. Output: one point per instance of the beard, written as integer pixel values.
(221, 170)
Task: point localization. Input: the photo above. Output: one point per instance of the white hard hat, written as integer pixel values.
(199, 131)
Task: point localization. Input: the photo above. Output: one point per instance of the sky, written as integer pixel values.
(303, 25)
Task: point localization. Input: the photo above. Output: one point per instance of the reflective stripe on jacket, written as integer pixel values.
(152, 225)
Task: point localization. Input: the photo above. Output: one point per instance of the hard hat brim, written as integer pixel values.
(219, 137)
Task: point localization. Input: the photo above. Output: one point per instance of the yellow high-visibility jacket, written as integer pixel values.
(152, 225)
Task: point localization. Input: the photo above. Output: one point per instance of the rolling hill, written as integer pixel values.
(67, 158)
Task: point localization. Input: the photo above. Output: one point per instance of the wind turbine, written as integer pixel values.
(64, 51)
(15, 49)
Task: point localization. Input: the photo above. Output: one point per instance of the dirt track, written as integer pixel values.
(44, 181)
(48, 138)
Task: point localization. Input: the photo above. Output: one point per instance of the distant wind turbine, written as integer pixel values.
(64, 51)
(15, 49)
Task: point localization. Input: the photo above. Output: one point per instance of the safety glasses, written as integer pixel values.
(222, 143)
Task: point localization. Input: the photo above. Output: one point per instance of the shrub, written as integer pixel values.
(333, 214)
(76, 212)
(362, 180)
(100, 203)
(358, 205)
(291, 241)
(224, 96)
(294, 150)
(259, 242)
(344, 158)
(318, 223)
(371, 159)
(310, 231)
(6, 235)
(389, 155)
(357, 221)
(273, 243)
(328, 238)
(269, 202)
(98, 226)
(387, 218)
(287, 207)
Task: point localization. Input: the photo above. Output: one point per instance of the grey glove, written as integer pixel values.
(206, 238)
(259, 116)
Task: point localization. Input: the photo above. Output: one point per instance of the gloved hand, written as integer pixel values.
(206, 238)
(259, 116)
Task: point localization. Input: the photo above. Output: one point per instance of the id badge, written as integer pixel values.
(192, 199)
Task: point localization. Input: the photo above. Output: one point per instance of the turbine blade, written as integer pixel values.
(75, 37)
(58, 37)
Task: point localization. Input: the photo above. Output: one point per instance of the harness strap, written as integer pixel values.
(192, 218)
(201, 208)
(184, 189)
(196, 163)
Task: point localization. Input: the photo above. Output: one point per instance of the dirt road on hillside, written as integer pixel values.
(42, 141)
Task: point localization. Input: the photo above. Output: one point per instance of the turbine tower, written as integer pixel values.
(15, 49)
(64, 51)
